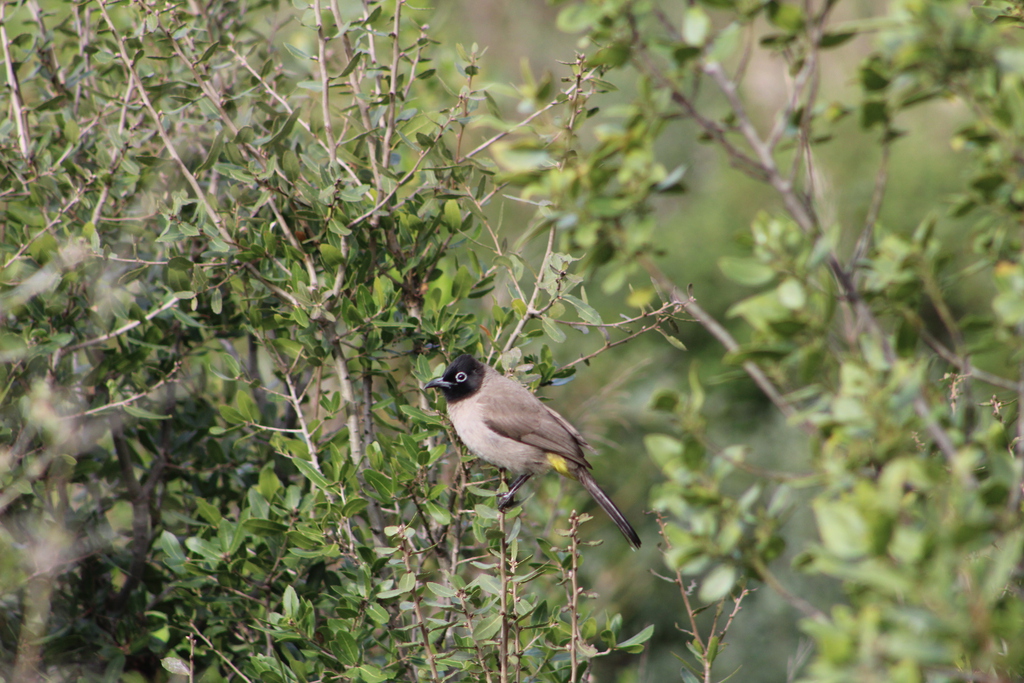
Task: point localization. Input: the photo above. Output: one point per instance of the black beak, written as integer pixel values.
(438, 383)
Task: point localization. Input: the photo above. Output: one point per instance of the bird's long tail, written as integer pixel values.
(605, 502)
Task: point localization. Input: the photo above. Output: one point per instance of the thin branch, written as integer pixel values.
(197, 632)
(805, 608)
(131, 399)
(769, 171)
(124, 328)
(293, 398)
(387, 197)
(799, 209)
(494, 138)
(286, 106)
(417, 606)
(575, 638)
(325, 83)
(532, 312)
(690, 305)
(17, 103)
(506, 616)
(139, 496)
(355, 81)
(165, 137)
(645, 64)
(867, 235)
(964, 365)
(396, 56)
(612, 344)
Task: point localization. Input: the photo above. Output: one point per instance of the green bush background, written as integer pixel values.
(766, 255)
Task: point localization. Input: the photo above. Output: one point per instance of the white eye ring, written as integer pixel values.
(461, 377)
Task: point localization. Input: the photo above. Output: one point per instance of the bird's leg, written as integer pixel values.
(507, 500)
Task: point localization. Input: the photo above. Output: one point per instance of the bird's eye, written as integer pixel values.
(461, 377)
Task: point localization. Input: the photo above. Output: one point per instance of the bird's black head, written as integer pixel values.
(461, 380)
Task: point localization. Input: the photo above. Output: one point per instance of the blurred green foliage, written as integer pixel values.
(238, 238)
(235, 246)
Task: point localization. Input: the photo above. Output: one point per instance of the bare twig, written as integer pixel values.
(17, 102)
(133, 398)
(506, 616)
(690, 305)
(129, 65)
(277, 97)
(417, 604)
(665, 313)
(575, 637)
(805, 608)
(224, 658)
(396, 56)
(531, 311)
(325, 83)
(124, 328)
(867, 235)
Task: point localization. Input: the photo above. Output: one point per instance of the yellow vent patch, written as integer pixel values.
(559, 464)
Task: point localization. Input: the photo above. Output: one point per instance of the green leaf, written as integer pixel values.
(745, 271)
(269, 484)
(175, 666)
(696, 26)
(346, 650)
(577, 18)
(352, 64)
(171, 547)
(1009, 307)
(208, 512)
(718, 583)
(264, 527)
(214, 154)
(518, 159)
(452, 215)
(290, 602)
(230, 415)
(371, 674)
(552, 330)
(439, 514)
(298, 52)
(247, 407)
(441, 590)
(203, 548)
(144, 414)
(311, 473)
(873, 113)
(290, 165)
(513, 263)
(760, 310)
(829, 40)
(633, 644)
(487, 627)
(421, 416)
(462, 284)
(286, 128)
(665, 450)
(331, 255)
(788, 17)
(383, 484)
(673, 340)
(843, 530)
(587, 313)
(791, 294)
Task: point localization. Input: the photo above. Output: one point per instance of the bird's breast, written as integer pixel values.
(485, 443)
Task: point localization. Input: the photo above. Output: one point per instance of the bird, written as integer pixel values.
(501, 421)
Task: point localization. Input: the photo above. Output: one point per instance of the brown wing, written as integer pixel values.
(517, 414)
